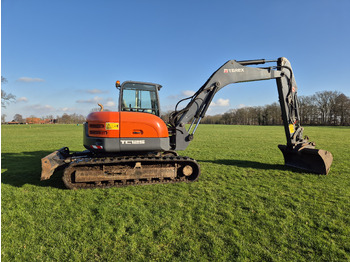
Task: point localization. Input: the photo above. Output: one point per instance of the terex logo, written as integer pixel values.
(234, 70)
(133, 142)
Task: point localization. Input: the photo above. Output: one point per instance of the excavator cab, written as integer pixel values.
(139, 97)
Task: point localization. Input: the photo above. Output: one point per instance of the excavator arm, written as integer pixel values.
(298, 152)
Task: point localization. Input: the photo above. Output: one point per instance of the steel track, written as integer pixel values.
(158, 162)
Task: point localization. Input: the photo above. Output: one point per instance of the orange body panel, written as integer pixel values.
(125, 125)
(135, 124)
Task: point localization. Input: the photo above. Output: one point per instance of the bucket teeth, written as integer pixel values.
(309, 159)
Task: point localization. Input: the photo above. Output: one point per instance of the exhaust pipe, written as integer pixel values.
(307, 158)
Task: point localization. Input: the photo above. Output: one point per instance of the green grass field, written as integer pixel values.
(246, 205)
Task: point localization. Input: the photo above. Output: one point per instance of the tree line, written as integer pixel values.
(49, 119)
(322, 108)
(70, 119)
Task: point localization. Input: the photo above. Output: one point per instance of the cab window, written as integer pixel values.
(139, 98)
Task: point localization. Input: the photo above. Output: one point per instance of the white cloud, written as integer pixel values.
(241, 106)
(167, 107)
(187, 93)
(30, 79)
(184, 94)
(68, 109)
(96, 91)
(38, 108)
(22, 99)
(94, 100)
(173, 97)
(110, 103)
(221, 102)
(48, 107)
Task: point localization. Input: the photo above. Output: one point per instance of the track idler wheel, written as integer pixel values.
(309, 159)
(187, 170)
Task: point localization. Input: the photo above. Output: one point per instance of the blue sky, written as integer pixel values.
(65, 56)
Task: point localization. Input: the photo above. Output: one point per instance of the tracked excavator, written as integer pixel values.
(134, 146)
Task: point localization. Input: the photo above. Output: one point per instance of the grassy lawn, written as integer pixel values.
(246, 205)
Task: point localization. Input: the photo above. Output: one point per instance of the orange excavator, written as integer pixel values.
(134, 146)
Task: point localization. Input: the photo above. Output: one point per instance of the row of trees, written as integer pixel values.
(71, 119)
(325, 108)
(322, 108)
(259, 115)
(64, 119)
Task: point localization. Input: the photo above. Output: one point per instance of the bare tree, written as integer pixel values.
(6, 98)
(3, 118)
(308, 110)
(324, 101)
(48, 117)
(18, 118)
(342, 109)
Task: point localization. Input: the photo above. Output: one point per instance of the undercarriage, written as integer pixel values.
(100, 171)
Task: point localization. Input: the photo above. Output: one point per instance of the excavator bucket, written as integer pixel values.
(53, 161)
(309, 159)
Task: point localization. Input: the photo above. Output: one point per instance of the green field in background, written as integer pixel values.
(246, 206)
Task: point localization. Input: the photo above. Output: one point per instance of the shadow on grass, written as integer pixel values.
(247, 164)
(25, 168)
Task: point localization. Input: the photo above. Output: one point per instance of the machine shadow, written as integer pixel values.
(247, 164)
(25, 168)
